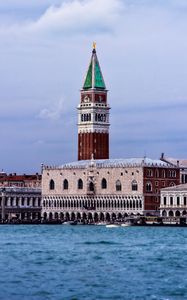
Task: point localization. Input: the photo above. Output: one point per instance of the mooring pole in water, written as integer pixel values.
(3, 204)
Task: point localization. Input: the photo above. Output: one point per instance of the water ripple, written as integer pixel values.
(91, 263)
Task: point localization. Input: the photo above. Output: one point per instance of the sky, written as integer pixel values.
(45, 49)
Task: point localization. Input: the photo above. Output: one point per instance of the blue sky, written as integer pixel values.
(45, 48)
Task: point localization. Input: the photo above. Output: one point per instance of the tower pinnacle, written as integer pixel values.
(94, 78)
(94, 46)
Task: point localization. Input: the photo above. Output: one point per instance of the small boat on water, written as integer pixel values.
(126, 224)
(112, 225)
(69, 223)
(101, 224)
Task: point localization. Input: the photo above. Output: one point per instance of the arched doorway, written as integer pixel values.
(72, 216)
(96, 218)
(119, 216)
(102, 218)
(45, 216)
(50, 216)
(84, 216)
(108, 217)
(177, 214)
(67, 217)
(113, 217)
(90, 217)
(61, 216)
(164, 213)
(56, 216)
(78, 216)
(170, 213)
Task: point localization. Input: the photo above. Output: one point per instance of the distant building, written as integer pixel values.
(20, 197)
(98, 190)
(174, 201)
(15, 180)
(180, 163)
(20, 203)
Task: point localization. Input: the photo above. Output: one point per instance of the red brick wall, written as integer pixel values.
(158, 181)
(96, 143)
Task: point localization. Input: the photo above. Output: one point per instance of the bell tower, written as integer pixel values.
(93, 114)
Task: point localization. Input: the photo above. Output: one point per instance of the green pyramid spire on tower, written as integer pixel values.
(94, 78)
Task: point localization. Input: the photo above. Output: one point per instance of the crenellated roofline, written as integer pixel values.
(111, 163)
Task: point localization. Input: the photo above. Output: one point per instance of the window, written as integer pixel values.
(178, 201)
(157, 173)
(118, 185)
(184, 200)
(91, 187)
(65, 184)
(172, 173)
(148, 187)
(149, 173)
(134, 185)
(103, 183)
(171, 200)
(51, 184)
(164, 200)
(156, 183)
(163, 173)
(80, 184)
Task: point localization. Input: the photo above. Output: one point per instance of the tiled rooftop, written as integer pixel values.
(180, 187)
(123, 162)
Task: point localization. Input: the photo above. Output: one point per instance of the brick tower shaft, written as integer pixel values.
(93, 115)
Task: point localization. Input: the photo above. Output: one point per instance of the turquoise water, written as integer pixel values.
(92, 262)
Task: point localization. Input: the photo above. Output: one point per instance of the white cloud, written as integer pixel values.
(53, 113)
(72, 17)
(45, 51)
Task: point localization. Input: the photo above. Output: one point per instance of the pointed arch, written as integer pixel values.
(163, 173)
(118, 185)
(65, 184)
(164, 213)
(134, 185)
(91, 186)
(80, 184)
(104, 184)
(157, 173)
(51, 184)
(149, 187)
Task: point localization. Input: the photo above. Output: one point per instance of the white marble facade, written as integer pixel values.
(174, 201)
(93, 190)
